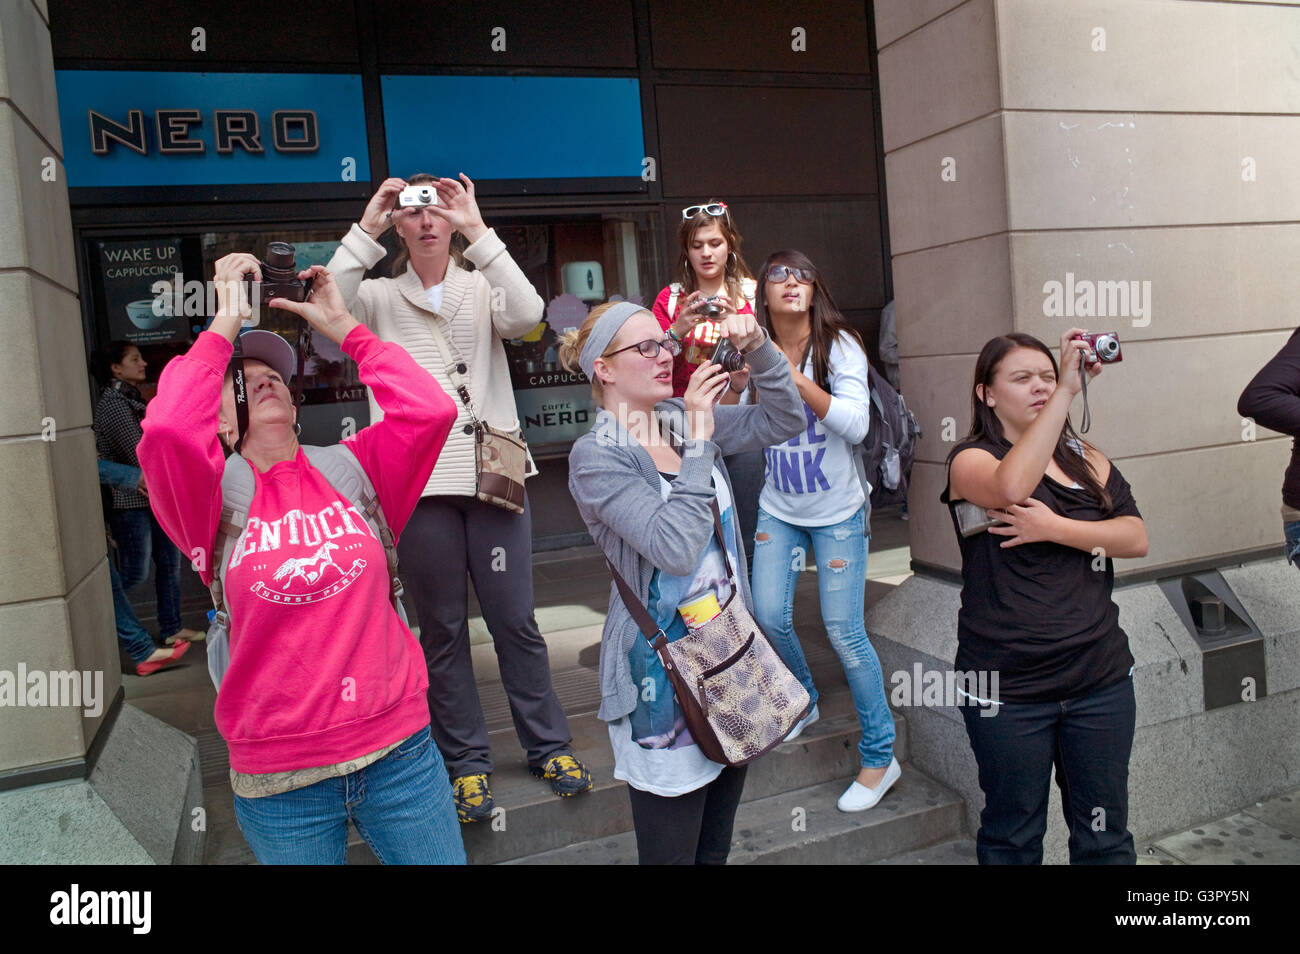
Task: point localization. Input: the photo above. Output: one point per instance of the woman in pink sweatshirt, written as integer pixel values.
(323, 705)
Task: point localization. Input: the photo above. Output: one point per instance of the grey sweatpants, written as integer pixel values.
(446, 537)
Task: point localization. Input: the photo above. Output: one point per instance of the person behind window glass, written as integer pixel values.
(1036, 609)
(453, 532)
(136, 532)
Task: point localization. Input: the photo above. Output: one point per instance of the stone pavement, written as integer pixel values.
(1264, 833)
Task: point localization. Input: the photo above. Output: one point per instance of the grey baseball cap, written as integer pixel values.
(270, 349)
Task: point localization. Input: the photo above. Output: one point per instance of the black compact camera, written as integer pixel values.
(727, 355)
(279, 279)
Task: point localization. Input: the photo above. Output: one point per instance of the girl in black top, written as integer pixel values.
(1036, 613)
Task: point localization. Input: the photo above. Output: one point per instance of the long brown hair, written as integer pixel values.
(403, 254)
(735, 270)
(825, 318)
(986, 426)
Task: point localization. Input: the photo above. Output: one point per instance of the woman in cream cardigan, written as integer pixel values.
(452, 531)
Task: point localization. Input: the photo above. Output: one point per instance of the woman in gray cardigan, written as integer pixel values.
(644, 479)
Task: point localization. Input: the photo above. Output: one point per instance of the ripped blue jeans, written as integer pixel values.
(781, 551)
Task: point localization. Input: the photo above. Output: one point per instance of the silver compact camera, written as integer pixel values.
(416, 196)
(973, 519)
(710, 309)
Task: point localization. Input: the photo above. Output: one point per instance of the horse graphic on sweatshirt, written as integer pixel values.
(307, 567)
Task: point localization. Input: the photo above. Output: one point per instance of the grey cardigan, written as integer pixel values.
(616, 487)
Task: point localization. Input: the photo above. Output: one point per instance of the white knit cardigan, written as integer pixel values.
(398, 310)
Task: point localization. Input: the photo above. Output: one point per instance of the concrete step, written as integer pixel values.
(532, 819)
(803, 826)
(956, 851)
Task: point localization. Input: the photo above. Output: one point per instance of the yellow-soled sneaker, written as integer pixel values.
(472, 796)
(566, 774)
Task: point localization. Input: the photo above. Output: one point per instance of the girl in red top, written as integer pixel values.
(711, 265)
(323, 706)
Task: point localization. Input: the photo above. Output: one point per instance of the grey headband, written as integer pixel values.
(607, 326)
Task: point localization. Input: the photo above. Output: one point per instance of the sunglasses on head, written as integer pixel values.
(779, 273)
(650, 348)
(713, 208)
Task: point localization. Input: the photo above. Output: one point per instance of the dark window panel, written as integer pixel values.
(728, 140)
(842, 238)
(582, 34)
(236, 31)
(759, 35)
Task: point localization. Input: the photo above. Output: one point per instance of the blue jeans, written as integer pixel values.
(780, 553)
(1089, 740)
(401, 806)
(139, 537)
(1291, 531)
(137, 643)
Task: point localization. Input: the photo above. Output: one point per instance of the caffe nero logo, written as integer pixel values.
(185, 131)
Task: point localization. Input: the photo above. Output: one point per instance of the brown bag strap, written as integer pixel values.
(644, 621)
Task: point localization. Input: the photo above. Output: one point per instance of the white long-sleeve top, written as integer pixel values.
(472, 318)
(813, 480)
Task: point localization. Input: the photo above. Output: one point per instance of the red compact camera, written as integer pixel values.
(1104, 346)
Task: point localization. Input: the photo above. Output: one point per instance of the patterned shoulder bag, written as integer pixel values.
(737, 696)
(500, 458)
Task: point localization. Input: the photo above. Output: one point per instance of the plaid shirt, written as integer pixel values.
(117, 431)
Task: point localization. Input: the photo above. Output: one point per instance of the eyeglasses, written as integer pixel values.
(713, 208)
(650, 349)
(779, 273)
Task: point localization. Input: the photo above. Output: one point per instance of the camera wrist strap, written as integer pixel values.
(1086, 423)
(304, 342)
(241, 393)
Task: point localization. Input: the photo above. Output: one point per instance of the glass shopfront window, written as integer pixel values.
(575, 261)
(153, 290)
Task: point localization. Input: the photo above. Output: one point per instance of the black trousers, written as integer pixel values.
(747, 470)
(691, 829)
(447, 537)
(1088, 740)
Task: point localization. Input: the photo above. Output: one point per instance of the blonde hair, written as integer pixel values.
(575, 339)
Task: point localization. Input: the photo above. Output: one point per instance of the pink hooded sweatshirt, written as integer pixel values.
(322, 669)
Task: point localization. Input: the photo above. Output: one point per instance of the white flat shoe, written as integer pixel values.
(812, 716)
(858, 798)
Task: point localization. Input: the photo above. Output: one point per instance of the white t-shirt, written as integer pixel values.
(813, 479)
(435, 296)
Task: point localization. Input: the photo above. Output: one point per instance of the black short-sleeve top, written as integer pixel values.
(1039, 614)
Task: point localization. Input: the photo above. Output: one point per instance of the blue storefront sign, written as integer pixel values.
(153, 128)
(514, 127)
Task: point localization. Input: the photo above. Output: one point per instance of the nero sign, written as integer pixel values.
(179, 131)
(126, 128)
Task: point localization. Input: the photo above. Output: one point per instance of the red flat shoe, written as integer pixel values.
(149, 668)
